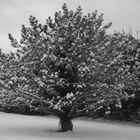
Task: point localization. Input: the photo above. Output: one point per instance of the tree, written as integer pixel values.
(68, 65)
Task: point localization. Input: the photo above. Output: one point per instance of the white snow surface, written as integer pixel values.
(21, 127)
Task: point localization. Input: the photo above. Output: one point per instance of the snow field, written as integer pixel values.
(21, 127)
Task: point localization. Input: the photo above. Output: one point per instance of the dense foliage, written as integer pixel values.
(70, 66)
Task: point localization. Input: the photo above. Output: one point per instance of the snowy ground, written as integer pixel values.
(20, 127)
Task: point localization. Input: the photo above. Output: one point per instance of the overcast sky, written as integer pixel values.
(124, 14)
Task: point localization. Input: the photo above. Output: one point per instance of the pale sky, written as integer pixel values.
(125, 14)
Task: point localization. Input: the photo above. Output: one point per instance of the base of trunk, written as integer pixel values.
(65, 124)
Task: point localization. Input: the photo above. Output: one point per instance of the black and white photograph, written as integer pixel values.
(69, 70)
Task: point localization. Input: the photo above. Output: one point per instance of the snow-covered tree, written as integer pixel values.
(130, 57)
(4, 59)
(69, 65)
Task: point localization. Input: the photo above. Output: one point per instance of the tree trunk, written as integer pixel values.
(65, 123)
